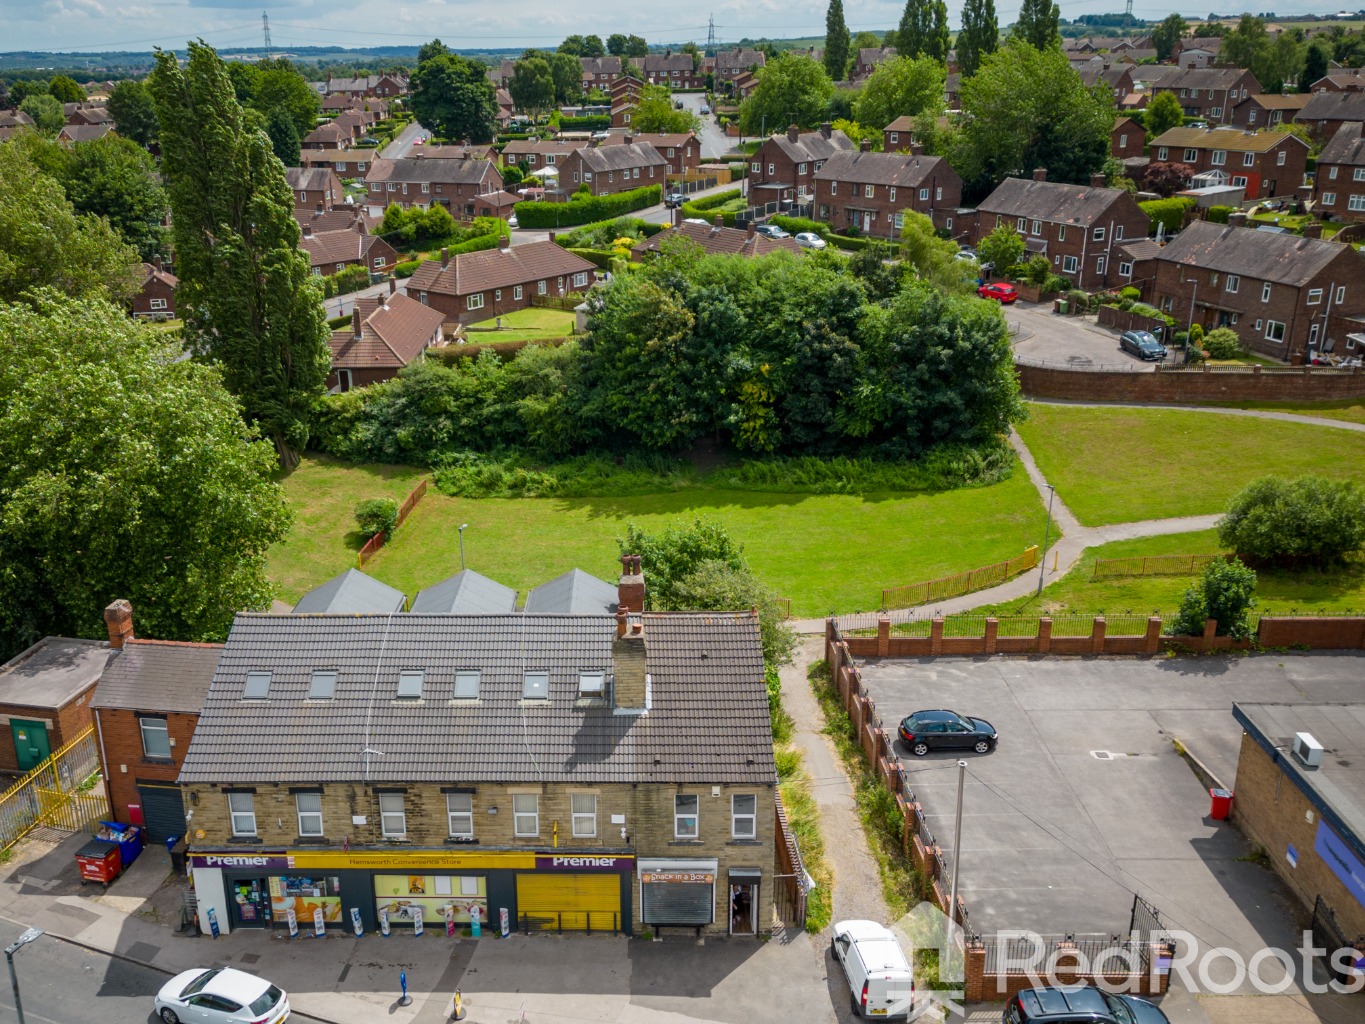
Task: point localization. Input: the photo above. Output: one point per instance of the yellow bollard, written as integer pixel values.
(1055, 556)
(457, 1013)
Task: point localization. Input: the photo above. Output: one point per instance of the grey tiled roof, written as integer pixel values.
(354, 592)
(1347, 147)
(52, 671)
(465, 593)
(1284, 259)
(1050, 201)
(707, 720)
(574, 593)
(158, 675)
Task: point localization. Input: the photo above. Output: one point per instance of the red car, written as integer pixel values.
(999, 290)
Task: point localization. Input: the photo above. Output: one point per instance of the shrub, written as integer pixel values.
(376, 516)
(1002, 248)
(1056, 283)
(586, 123)
(1223, 343)
(1309, 520)
(587, 209)
(796, 225)
(1036, 271)
(1196, 333)
(1218, 214)
(1126, 304)
(1077, 300)
(1181, 338)
(1130, 293)
(407, 268)
(1169, 212)
(1142, 309)
(336, 323)
(603, 234)
(1223, 593)
(600, 258)
(343, 281)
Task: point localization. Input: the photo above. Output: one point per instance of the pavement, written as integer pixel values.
(1072, 342)
(1086, 801)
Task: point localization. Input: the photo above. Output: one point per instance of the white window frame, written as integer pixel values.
(1070, 264)
(869, 191)
(1162, 154)
(1219, 157)
(521, 816)
(460, 815)
(1314, 296)
(1125, 270)
(426, 188)
(686, 824)
(756, 167)
(516, 293)
(1265, 292)
(743, 824)
(580, 280)
(1280, 158)
(1356, 203)
(891, 194)
(158, 303)
(474, 301)
(310, 819)
(1191, 155)
(1231, 283)
(387, 815)
(583, 811)
(156, 726)
(1329, 199)
(242, 813)
(1097, 235)
(834, 188)
(540, 287)
(1356, 175)
(1270, 331)
(1100, 264)
(1341, 294)
(1248, 159)
(924, 195)
(1021, 225)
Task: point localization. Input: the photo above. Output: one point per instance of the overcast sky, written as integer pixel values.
(229, 24)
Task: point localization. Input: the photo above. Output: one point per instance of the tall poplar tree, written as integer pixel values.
(980, 35)
(917, 21)
(836, 41)
(250, 303)
(940, 39)
(1037, 24)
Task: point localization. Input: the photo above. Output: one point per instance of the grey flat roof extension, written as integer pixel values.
(52, 672)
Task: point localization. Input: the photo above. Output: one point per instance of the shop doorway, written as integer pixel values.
(744, 908)
(250, 903)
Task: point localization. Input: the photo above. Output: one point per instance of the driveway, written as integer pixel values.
(1069, 342)
(1086, 801)
(714, 143)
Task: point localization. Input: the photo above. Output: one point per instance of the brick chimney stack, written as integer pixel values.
(504, 242)
(753, 229)
(827, 129)
(1040, 174)
(119, 618)
(1098, 181)
(355, 323)
(445, 257)
(156, 261)
(865, 146)
(630, 590)
(308, 231)
(793, 133)
(630, 683)
(393, 285)
(717, 223)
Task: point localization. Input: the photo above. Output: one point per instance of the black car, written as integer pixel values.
(1080, 1006)
(1142, 344)
(673, 200)
(946, 730)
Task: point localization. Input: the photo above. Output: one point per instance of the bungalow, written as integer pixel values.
(478, 286)
(1076, 227)
(422, 182)
(608, 169)
(313, 185)
(1284, 295)
(1339, 185)
(872, 191)
(338, 218)
(1340, 80)
(73, 133)
(1264, 163)
(89, 115)
(155, 296)
(330, 252)
(385, 334)
(716, 240)
(784, 166)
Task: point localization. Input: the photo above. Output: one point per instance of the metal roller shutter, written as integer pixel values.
(555, 902)
(677, 903)
(163, 811)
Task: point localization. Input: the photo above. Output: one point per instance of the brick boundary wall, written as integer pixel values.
(1126, 320)
(1192, 387)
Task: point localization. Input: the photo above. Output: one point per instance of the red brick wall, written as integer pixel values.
(122, 740)
(64, 725)
(1191, 386)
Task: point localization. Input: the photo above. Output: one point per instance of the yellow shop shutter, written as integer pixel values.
(551, 901)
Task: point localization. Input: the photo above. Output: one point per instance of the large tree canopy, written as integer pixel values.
(123, 473)
(1037, 24)
(792, 89)
(453, 97)
(980, 35)
(247, 296)
(902, 86)
(130, 105)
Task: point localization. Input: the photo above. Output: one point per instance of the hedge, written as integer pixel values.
(796, 225)
(711, 202)
(338, 322)
(452, 354)
(647, 228)
(407, 268)
(587, 209)
(586, 123)
(601, 258)
(343, 281)
(1170, 212)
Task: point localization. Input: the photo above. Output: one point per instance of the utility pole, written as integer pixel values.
(1047, 534)
(957, 843)
(265, 25)
(711, 35)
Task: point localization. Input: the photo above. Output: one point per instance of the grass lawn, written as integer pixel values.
(823, 551)
(1116, 465)
(1340, 590)
(530, 324)
(323, 493)
(1352, 410)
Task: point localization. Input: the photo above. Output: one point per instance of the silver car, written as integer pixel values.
(809, 240)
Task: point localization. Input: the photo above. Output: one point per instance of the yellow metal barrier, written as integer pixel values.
(914, 594)
(55, 794)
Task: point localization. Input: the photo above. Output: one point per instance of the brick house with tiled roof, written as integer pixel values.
(1268, 110)
(730, 64)
(73, 133)
(418, 181)
(869, 58)
(477, 286)
(348, 163)
(313, 185)
(1339, 183)
(676, 70)
(1208, 93)
(1075, 226)
(716, 240)
(1117, 78)
(872, 191)
(899, 135)
(330, 252)
(609, 169)
(600, 72)
(1340, 80)
(1127, 139)
(385, 334)
(681, 150)
(538, 153)
(1281, 293)
(11, 121)
(155, 296)
(1264, 163)
(1326, 112)
(328, 136)
(640, 792)
(784, 166)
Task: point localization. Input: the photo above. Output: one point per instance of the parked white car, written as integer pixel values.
(881, 985)
(809, 240)
(220, 995)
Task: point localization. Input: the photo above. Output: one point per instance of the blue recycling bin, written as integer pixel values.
(129, 841)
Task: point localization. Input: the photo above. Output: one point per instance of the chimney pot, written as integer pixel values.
(1040, 174)
(504, 242)
(621, 621)
(630, 590)
(118, 617)
(308, 231)
(752, 229)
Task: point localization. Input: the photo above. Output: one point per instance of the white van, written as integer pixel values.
(880, 982)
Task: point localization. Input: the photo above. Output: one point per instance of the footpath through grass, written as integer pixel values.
(1351, 410)
(1119, 465)
(1339, 590)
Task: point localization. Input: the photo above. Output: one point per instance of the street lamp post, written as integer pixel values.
(463, 527)
(957, 843)
(1047, 535)
(10, 950)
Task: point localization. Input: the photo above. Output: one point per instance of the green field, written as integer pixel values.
(530, 324)
(1118, 465)
(1078, 591)
(822, 551)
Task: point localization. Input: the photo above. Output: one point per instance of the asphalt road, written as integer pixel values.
(402, 143)
(714, 144)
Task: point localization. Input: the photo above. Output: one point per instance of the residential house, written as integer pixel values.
(506, 107)
(600, 72)
(872, 191)
(89, 115)
(539, 153)
(625, 97)
(146, 707)
(155, 296)
(730, 64)
(357, 122)
(73, 133)
(479, 286)
(1284, 295)
(609, 169)
(1137, 264)
(11, 121)
(1208, 93)
(899, 135)
(313, 185)
(1118, 78)
(869, 58)
(952, 90)
(342, 102)
(1075, 226)
(386, 333)
(330, 252)
(1196, 51)
(1339, 184)
(388, 85)
(1264, 163)
(716, 240)
(1326, 112)
(639, 795)
(1132, 102)
(681, 151)
(348, 163)
(1127, 140)
(420, 181)
(501, 73)
(1340, 80)
(45, 695)
(676, 70)
(1268, 111)
(744, 85)
(338, 218)
(463, 151)
(1147, 76)
(784, 167)
(329, 136)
